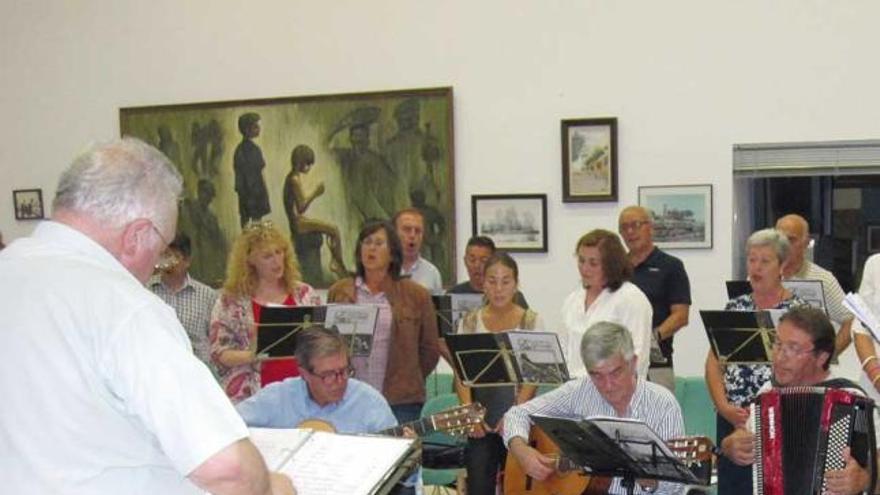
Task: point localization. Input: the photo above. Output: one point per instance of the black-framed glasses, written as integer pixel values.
(328, 377)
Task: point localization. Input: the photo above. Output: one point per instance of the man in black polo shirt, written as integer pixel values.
(664, 281)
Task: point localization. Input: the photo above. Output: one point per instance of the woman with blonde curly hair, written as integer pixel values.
(261, 271)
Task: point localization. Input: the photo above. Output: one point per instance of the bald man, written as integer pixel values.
(664, 281)
(797, 267)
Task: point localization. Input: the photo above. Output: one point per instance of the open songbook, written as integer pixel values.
(322, 463)
(494, 359)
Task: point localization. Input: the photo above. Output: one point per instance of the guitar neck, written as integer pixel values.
(420, 427)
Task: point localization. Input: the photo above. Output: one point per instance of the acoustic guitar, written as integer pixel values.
(569, 479)
(457, 421)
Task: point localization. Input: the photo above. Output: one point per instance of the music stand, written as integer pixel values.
(495, 359)
(617, 448)
(279, 325)
(743, 337)
(451, 307)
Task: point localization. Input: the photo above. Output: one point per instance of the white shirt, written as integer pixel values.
(424, 273)
(101, 391)
(626, 306)
(870, 292)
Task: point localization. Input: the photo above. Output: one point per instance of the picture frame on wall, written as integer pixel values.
(589, 160)
(517, 223)
(349, 158)
(682, 215)
(28, 204)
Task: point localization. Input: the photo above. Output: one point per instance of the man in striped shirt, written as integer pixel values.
(797, 267)
(612, 389)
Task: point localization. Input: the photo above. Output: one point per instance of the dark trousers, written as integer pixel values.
(483, 458)
(732, 479)
(404, 414)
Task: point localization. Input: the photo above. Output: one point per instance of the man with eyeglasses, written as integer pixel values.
(664, 281)
(324, 390)
(102, 393)
(801, 357)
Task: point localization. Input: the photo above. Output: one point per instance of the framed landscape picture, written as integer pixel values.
(589, 160)
(682, 215)
(516, 222)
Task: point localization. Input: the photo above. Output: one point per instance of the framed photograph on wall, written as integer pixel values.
(589, 160)
(872, 235)
(682, 215)
(28, 204)
(516, 222)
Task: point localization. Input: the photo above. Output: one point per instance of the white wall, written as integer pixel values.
(686, 79)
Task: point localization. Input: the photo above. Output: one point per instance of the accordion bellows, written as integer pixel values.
(800, 433)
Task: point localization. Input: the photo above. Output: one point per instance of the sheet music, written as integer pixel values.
(355, 321)
(461, 304)
(538, 356)
(863, 312)
(810, 291)
(344, 464)
(636, 438)
(278, 444)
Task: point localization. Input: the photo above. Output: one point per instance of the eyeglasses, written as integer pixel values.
(328, 377)
(165, 241)
(369, 241)
(632, 225)
(790, 350)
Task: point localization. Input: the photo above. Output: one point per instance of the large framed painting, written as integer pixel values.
(318, 167)
(589, 160)
(682, 215)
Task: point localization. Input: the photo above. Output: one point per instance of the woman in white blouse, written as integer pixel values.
(606, 295)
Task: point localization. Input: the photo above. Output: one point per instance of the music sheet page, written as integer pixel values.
(344, 464)
(278, 444)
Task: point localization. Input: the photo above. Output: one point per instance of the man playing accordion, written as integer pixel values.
(801, 354)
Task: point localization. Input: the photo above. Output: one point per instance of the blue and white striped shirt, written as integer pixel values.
(650, 403)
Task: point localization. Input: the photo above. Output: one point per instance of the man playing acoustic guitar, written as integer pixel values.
(323, 391)
(612, 389)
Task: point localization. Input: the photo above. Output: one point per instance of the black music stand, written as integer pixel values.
(276, 332)
(616, 448)
(494, 359)
(451, 307)
(743, 337)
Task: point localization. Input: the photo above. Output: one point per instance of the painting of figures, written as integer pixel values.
(318, 167)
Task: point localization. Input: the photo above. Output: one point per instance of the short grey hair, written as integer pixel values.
(770, 238)
(604, 340)
(119, 181)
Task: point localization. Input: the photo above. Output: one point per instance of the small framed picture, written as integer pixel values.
(589, 160)
(28, 204)
(682, 215)
(872, 234)
(516, 222)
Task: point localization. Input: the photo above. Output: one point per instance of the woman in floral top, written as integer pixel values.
(261, 272)
(733, 386)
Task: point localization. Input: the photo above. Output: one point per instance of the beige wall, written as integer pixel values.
(686, 79)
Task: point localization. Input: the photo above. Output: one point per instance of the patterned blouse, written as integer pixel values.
(232, 324)
(742, 381)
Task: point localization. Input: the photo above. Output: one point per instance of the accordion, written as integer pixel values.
(800, 433)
